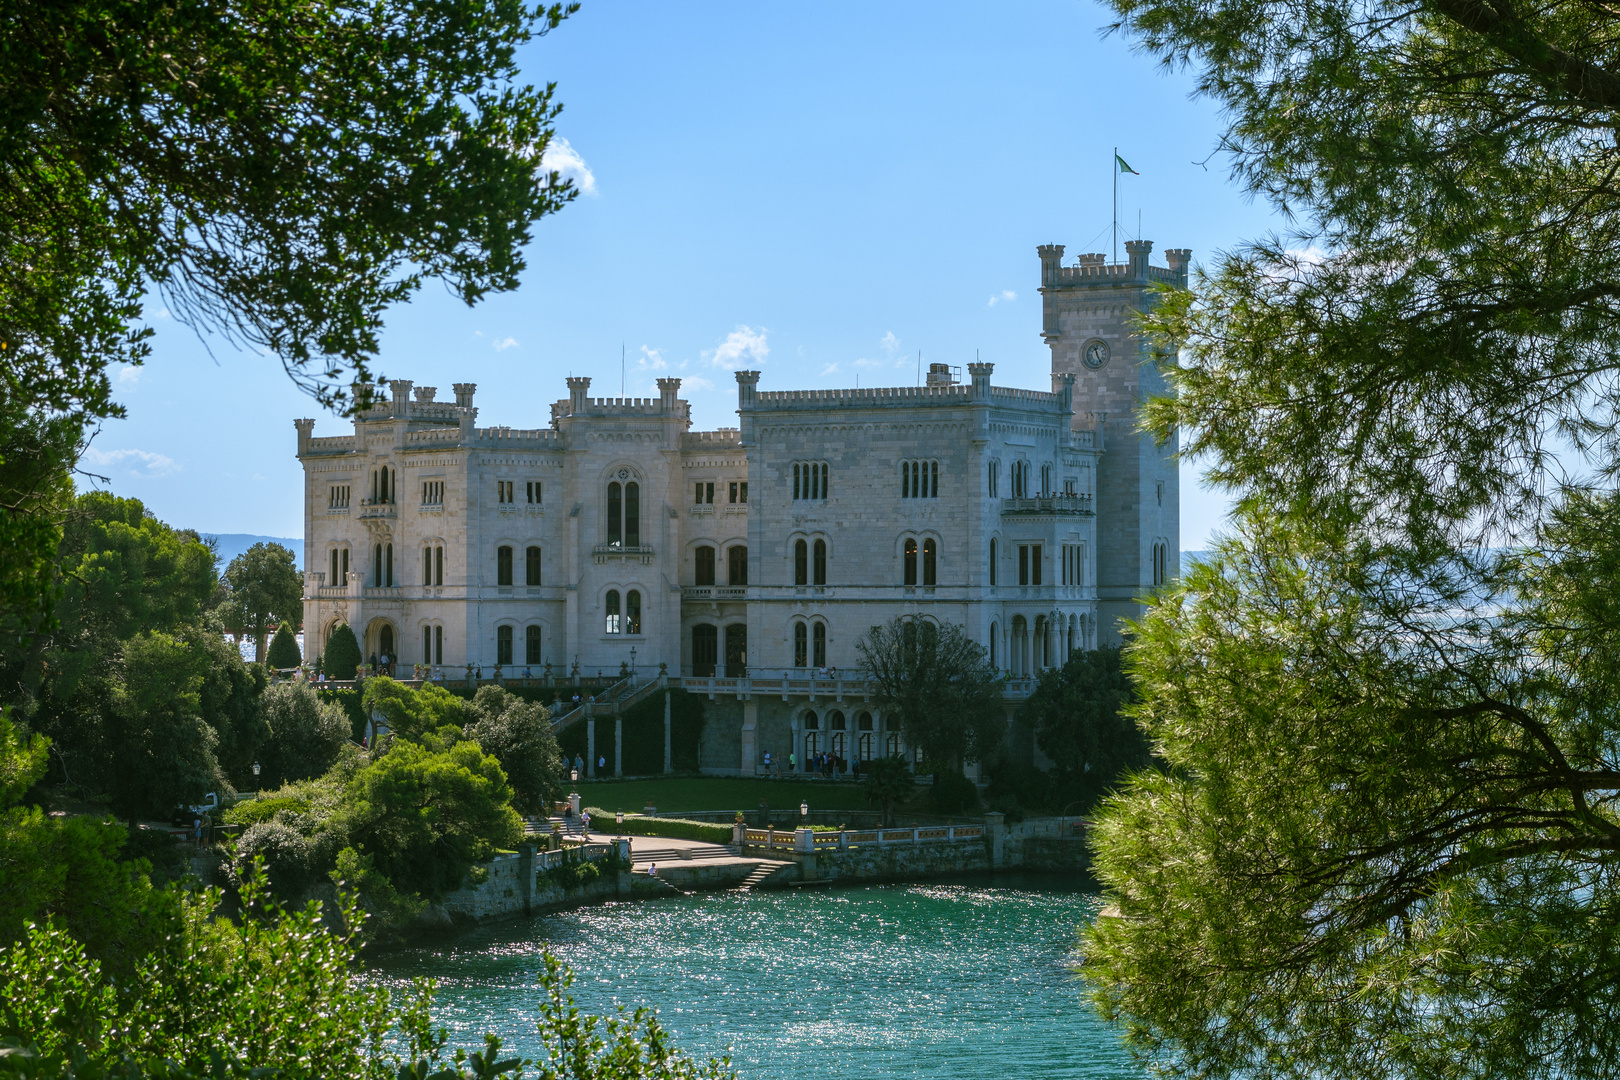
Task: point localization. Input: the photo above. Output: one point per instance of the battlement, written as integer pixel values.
(335, 444)
(723, 439)
(869, 396)
(1093, 270)
(1012, 396)
(627, 407)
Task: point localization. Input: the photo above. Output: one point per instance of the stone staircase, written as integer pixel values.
(643, 856)
(761, 874)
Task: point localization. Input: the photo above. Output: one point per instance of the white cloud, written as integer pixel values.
(890, 343)
(1006, 294)
(696, 382)
(129, 374)
(562, 158)
(136, 462)
(651, 360)
(863, 362)
(742, 346)
(506, 343)
(829, 369)
(1311, 255)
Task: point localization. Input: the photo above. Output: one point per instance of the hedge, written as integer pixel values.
(256, 810)
(675, 828)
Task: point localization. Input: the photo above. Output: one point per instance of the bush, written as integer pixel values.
(953, 793)
(342, 657)
(286, 855)
(306, 734)
(284, 652)
(256, 811)
(167, 857)
(676, 828)
(518, 734)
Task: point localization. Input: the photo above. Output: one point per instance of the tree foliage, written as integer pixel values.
(413, 713)
(284, 652)
(517, 734)
(1384, 842)
(939, 683)
(266, 589)
(306, 734)
(1079, 719)
(281, 177)
(342, 656)
(888, 782)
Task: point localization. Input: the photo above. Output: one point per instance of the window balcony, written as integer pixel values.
(714, 592)
(606, 553)
(1045, 505)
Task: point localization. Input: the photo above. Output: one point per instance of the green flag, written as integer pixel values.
(1124, 167)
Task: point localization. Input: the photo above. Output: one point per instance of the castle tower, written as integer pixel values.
(1086, 312)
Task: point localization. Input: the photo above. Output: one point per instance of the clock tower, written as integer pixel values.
(1086, 313)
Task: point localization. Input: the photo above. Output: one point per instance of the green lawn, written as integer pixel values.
(680, 794)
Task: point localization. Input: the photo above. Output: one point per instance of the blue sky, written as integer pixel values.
(815, 191)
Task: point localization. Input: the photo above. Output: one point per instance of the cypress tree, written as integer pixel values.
(342, 653)
(284, 649)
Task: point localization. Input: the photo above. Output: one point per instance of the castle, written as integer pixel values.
(617, 537)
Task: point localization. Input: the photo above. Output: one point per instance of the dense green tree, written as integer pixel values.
(36, 453)
(1077, 713)
(518, 734)
(342, 656)
(412, 713)
(426, 817)
(889, 783)
(266, 589)
(284, 652)
(1384, 842)
(71, 869)
(940, 684)
(281, 177)
(306, 734)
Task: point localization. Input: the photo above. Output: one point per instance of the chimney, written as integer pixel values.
(1138, 250)
(1051, 261)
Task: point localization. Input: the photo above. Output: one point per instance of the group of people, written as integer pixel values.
(823, 764)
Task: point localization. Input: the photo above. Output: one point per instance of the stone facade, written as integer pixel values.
(616, 537)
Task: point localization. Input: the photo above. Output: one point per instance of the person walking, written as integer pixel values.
(793, 762)
(585, 823)
(197, 831)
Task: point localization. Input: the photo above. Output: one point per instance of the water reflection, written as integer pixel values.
(968, 979)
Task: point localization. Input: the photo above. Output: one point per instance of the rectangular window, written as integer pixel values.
(818, 654)
(503, 644)
(503, 566)
(739, 491)
(705, 650)
(433, 493)
(533, 491)
(531, 645)
(705, 493)
(737, 565)
(438, 566)
(1023, 564)
(531, 566)
(919, 479)
(1069, 487)
(705, 566)
(337, 497)
(632, 612)
(801, 646)
(611, 624)
(810, 481)
(1035, 564)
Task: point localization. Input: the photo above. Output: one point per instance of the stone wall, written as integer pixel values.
(515, 886)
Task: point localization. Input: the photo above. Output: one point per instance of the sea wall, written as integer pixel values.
(519, 884)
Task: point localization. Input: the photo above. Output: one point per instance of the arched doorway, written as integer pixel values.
(386, 653)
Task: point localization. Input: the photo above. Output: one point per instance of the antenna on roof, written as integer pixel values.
(919, 367)
(621, 369)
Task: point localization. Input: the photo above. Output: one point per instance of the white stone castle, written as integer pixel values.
(748, 561)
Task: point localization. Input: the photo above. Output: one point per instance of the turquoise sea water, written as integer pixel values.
(968, 979)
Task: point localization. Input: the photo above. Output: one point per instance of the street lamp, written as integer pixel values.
(804, 812)
(255, 768)
(618, 823)
(573, 775)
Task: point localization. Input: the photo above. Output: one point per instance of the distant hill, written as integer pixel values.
(233, 544)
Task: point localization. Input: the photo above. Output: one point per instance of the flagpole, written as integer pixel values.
(1113, 233)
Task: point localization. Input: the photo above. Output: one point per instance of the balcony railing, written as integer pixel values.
(1048, 504)
(714, 592)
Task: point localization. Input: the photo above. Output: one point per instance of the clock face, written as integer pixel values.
(1096, 354)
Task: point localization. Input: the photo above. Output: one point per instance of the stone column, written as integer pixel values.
(618, 744)
(739, 833)
(590, 746)
(669, 766)
(995, 838)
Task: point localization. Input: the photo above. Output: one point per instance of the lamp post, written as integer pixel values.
(573, 776)
(804, 813)
(618, 823)
(255, 769)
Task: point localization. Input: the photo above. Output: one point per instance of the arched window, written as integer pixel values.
(438, 566)
(994, 634)
(818, 652)
(388, 564)
(1046, 480)
(438, 644)
(376, 566)
(893, 746)
(612, 612)
(333, 580)
(632, 514)
(737, 565)
(503, 566)
(737, 651)
(911, 562)
(992, 560)
(801, 563)
(531, 645)
(993, 478)
(812, 722)
(820, 565)
(531, 565)
(801, 646)
(863, 721)
(615, 534)
(929, 561)
(427, 644)
(343, 566)
(837, 720)
(503, 645)
(705, 565)
(632, 612)
(705, 650)
(385, 642)
(427, 565)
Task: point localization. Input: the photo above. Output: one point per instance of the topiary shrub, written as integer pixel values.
(342, 657)
(284, 652)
